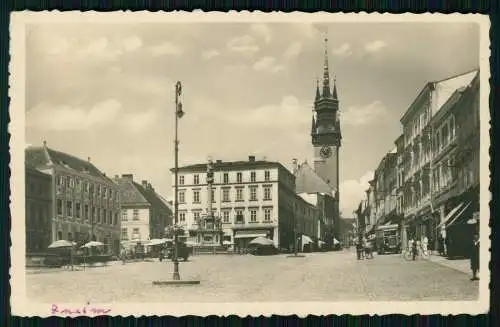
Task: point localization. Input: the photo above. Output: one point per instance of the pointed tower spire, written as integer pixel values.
(317, 90)
(334, 94)
(326, 74)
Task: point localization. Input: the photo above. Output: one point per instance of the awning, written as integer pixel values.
(250, 234)
(464, 215)
(450, 214)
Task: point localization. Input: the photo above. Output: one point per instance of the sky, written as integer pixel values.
(106, 91)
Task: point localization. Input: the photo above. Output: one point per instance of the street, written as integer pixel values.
(334, 276)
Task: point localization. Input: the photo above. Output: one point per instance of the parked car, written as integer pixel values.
(183, 251)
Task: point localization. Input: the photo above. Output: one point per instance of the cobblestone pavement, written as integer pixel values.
(334, 276)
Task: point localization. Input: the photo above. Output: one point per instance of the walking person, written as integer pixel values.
(474, 257)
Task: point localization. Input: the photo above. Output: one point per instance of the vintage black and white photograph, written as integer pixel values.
(238, 163)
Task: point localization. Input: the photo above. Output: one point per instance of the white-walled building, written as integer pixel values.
(251, 198)
(144, 215)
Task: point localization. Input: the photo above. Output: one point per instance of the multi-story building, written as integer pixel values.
(456, 166)
(144, 215)
(38, 209)
(251, 198)
(385, 189)
(85, 203)
(416, 154)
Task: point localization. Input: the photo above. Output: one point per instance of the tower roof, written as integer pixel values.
(326, 73)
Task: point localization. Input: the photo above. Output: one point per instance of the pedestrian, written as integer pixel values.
(474, 257)
(359, 248)
(425, 243)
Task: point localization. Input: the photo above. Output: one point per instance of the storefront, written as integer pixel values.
(243, 237)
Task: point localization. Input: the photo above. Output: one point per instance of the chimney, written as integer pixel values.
(116, 177)
(129, 177)
(294, 166)
(251, 158)
(44, 143)
(144, 184)
(88, 159)
(149, 187)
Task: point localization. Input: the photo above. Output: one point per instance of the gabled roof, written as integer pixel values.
(130, 194)
(44, 156)
(308, 181)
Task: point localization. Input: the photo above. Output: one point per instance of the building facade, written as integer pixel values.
(144, 215)
(85, 203)
(417, 154)
(38, 212)
(250, 198)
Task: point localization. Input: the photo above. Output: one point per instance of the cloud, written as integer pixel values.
(268, 64)
(293, 50)
(236, 68)
(352, 192)
(343, 51)
(139, 121)
(68, 118)
(288, 114)
(364, 115)
(243, 44)
(132, 43)
(166, 48)
(209, 54)
(261, 30)
(375, 46)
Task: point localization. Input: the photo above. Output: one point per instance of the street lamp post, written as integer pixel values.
(178, 114)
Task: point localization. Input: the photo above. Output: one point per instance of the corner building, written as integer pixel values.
(250, 198)
(85, 203)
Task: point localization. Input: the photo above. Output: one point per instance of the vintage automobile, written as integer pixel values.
(388, 239)
(183, 251)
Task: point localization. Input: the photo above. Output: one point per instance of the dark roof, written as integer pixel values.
(151, 197)
(134, 193)
(40, 156)
(227, 165)
(308, 181)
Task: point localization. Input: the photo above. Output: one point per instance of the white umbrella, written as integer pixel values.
(62, 244)
(156, 241)
(261, 241)
(306, 239)
(92, 244)
(335, 241)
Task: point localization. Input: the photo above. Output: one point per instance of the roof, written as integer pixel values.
(308, 181)
(44, 156)
(443, 90)
(133, 193)
(230, 165)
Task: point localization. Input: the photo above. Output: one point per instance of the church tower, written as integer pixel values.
(325, 130)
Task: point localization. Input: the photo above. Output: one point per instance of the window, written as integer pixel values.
(135, 214)
(135, 233)
(253, 193)
(196, 196)
(60, 180)
(78, 210)
(86, 186)
(69, 208)
(196, 179)
(93, 214)
(225, 216)
(452, 127)
(124, 215)
(196, 216)
(110, 218)
(444, 135)
(71, 182)
(239, 177)
(59, 207)
(91, 188)
(226, 178)
(104, 192)
(182, 217)
(104, 216)
(98, 215)
(267, 193)
(252, 176)
(267, 175)
(239, 216)
(115, 221)
(253, 215)
(239, 194)
(181, 180)
(124, 234)
(225, 195)
(78, 184)
(98, 190)
(182, 196)
(86, 212)
(213, 195)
